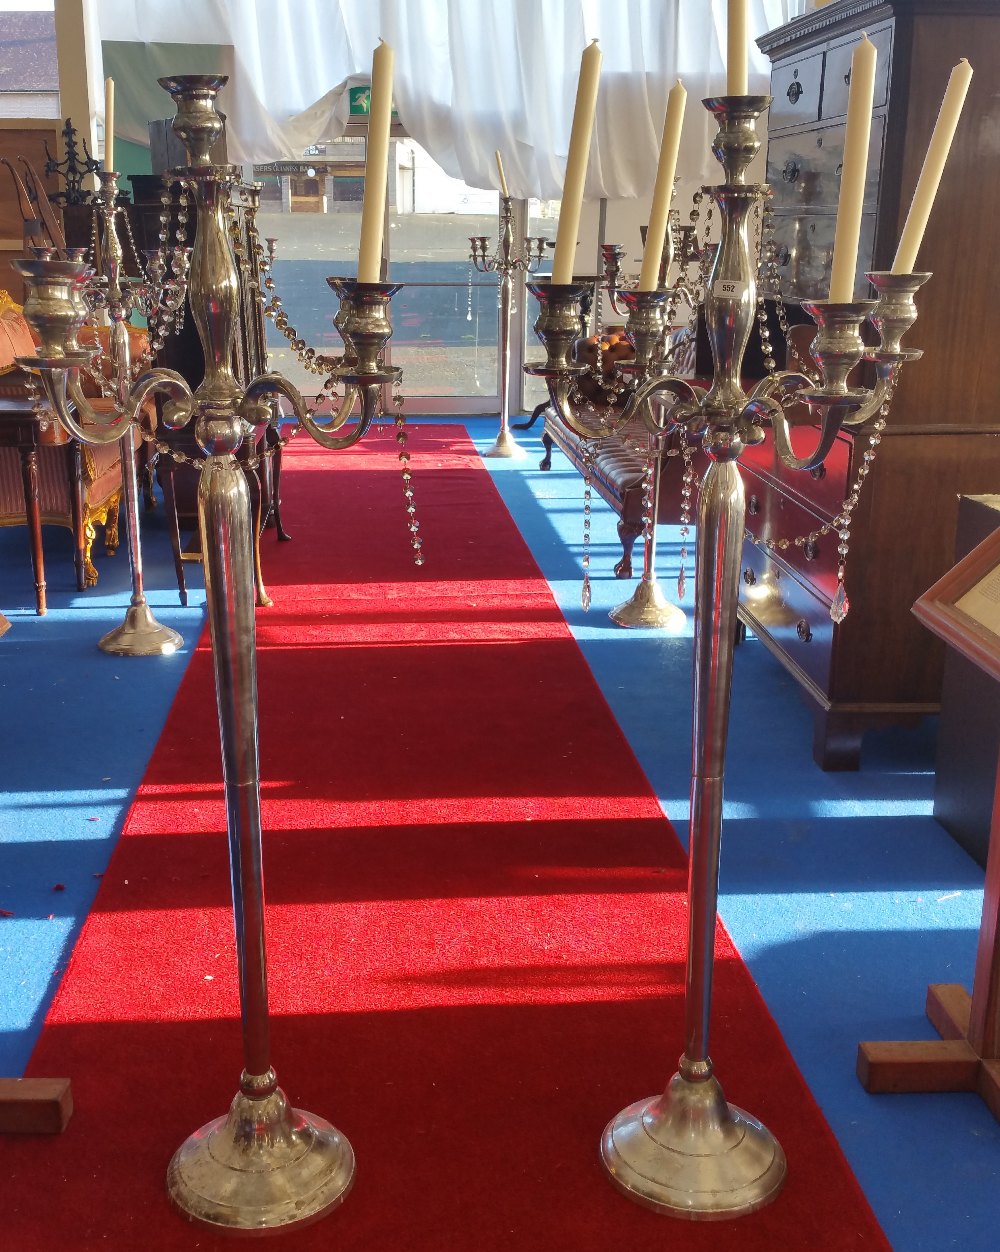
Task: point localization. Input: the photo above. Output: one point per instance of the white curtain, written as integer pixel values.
(471, 76)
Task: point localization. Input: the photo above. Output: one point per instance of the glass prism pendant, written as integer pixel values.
(841, 605)
(681, 584)
(585, 593)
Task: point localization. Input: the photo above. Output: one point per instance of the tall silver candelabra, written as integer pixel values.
(504, 264)
(687, 1151)
(264, 1164)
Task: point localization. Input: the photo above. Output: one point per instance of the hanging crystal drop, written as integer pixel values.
(841, 605)
(585, 593)
(681, 584)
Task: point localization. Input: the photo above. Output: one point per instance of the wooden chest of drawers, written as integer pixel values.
(943, 437)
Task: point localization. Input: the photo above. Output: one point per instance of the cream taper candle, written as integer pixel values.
(659, 211)
(933, 167)
(376, 166)
(109, 124)
(576, 164)
(737, 49)
(503, 181)
(854, 172)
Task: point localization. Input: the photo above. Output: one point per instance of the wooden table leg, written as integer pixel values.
(967, 1057)
(165, 473)
(32, 513)
(75, 468)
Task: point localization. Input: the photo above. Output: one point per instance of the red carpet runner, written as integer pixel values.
(476, 917)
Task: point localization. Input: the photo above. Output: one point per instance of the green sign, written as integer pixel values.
(361, 100)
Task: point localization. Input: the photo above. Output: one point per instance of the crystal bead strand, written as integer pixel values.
(588, 469)
(412, 525)
(688, 485)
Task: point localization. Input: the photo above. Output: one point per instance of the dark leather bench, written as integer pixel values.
(618, 468)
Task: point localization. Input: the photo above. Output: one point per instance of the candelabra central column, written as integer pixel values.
(265, 1164)
(688, 1151)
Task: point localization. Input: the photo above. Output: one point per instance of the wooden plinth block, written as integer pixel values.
(949, 1008)
(910, 1066)
(34, 1106)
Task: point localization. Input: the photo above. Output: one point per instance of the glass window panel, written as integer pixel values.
(445, 320)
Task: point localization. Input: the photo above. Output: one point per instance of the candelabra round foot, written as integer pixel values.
(264, 1166)
(648, 606)
(141, 635)
(690, 1154)
(507, 448)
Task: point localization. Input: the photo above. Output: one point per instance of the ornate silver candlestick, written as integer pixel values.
(646, 331)
(504, 264)
(264, 1165)
(688, 1152)
(140, 634)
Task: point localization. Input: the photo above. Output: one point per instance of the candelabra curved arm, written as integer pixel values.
(76, 415)
(180, 407)
(254, 408)
(685, 411)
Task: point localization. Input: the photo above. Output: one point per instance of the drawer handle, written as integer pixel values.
(803, 631)
(794, 92)
(818, 472)
(810, 550)
(784, 256)
(791, 171)
(847, 78)
(749, 577)
(840, 169)
(753, 506)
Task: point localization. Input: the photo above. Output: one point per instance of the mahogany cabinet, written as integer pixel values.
(943, 436)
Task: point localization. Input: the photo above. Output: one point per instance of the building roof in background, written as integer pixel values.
(28, 52)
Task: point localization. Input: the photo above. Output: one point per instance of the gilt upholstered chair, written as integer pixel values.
(46, 477)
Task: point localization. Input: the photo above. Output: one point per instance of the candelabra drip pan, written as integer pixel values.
(140, 634)
(261, 1167)
(690, 1154)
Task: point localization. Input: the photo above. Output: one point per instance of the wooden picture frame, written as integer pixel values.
(963, 607)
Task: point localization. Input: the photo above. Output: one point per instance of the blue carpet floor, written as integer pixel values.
(842, 893)
(77, 730)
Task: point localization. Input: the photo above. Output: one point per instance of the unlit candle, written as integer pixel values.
(854, 173)
(659, 211)
(376, 166)
(933, 167)
(571, 204)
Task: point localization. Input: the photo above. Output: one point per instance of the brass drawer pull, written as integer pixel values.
(791, 171)
(803, 630)
(753, 506)
(749, 577)
(794, 91)
(810, 550)
(784, 256)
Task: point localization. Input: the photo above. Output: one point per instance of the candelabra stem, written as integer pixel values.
(687, 1152)
(721, 514)
(648, 606)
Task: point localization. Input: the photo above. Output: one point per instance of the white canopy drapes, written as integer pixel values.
(471, 76)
